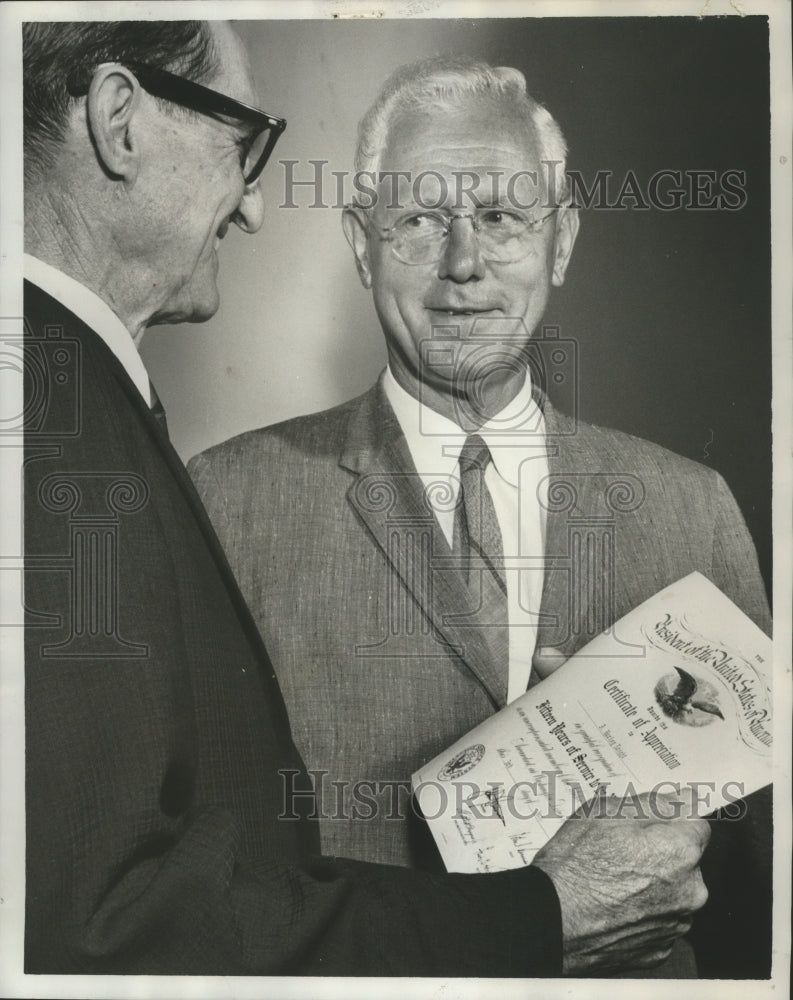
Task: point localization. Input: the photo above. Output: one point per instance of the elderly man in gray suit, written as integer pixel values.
(350, 530)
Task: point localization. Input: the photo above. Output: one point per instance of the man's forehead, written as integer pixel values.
(472, 157)
(484, 149)
(479, 135)
(234, 78)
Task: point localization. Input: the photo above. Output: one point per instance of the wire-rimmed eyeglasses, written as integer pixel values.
(504, 235)
(265, 129)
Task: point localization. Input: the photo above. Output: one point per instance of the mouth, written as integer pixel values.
(222, 230)
(463, 310)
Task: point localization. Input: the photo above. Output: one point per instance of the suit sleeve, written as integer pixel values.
(194, 906)
(130, 870)
(154, 840)
(735, 567)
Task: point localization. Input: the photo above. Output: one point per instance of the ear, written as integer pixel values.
(354, 227)
(113, 99)
(564, 241)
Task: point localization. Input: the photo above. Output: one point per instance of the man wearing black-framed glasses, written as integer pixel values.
(169, 183)
(259, 130)
(157, 745)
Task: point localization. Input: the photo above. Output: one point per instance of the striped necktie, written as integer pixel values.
(477, 539)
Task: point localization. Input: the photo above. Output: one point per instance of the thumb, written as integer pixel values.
(684, 803)
(546, 659)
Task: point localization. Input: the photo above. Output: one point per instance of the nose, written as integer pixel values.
(250, 211)
(462, 259)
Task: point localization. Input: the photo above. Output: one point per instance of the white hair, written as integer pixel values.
(444, 83)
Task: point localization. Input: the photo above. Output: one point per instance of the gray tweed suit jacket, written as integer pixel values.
(327, 529)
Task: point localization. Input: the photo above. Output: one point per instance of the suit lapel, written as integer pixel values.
(388, 496)
(580, 535)
(182, 480)
(555, 607)
(112, 368)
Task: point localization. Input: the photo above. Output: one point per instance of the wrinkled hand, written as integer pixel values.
(628, 887)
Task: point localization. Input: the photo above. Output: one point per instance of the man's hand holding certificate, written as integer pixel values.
(661, 721)
(627, 890)
(676, 695)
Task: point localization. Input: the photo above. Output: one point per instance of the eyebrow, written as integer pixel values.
(411, 206)
(487, 202)
(245, 130)
(250, 128)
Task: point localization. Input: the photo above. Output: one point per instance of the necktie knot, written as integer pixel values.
(474, 454)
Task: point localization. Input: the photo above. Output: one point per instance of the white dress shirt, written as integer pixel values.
(95, 313)
(517, 480)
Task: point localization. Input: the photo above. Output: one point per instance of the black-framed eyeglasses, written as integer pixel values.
(504, 236)
(265, 130)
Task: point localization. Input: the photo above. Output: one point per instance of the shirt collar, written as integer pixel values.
(435, 441)
(95, 313)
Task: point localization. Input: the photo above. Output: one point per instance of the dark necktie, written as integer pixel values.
(157, 409)
(477, 538)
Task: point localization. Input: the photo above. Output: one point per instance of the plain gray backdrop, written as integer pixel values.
(670, 311)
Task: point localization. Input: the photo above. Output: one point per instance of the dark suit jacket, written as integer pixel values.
(156, 731)
(327, 530)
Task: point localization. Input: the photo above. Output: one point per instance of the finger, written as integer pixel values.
(655, 957)
(702, 830)
(685, 803)
(659, 950)
(640, 809)
(680, 841)
(681, 805)
(546, 659)
(699, 891)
